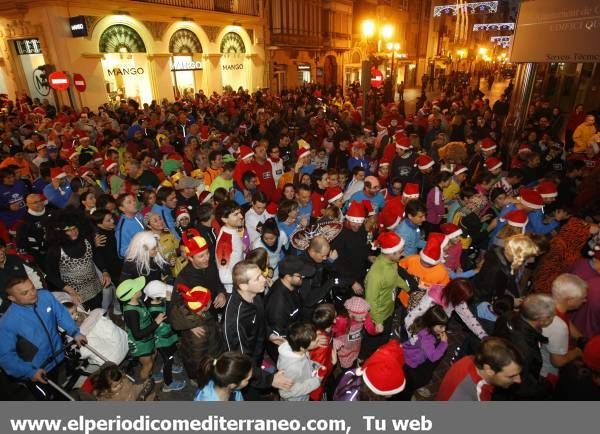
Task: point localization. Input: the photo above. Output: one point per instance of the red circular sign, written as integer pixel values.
(79, 82)
(58, 80)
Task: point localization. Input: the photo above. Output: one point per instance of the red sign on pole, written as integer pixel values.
(376, 77)
(58, 80)
(79, 82)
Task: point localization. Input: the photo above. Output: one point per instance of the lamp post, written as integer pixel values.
(370, 29)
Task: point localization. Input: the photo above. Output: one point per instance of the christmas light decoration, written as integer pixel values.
(467, 8)
(493, 27)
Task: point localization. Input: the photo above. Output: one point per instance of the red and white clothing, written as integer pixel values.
(277, 169)
(264, 173)
(462, 382)
(230, 250)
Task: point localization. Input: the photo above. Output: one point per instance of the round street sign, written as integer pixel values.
(58, 80)
(79, 82)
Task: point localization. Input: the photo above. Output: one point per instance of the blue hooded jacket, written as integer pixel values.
(167, 215)
(34, 326)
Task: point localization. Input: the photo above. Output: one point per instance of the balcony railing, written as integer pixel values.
(242, 7)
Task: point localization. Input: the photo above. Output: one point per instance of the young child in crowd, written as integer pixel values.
(323, 318)
(110, 384)
(427, 346)
(294, 359)
(347, 330)
(165, 339)
(182, 219)
(139, 323)
(222, 378)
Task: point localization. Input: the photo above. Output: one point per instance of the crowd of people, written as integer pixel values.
(278, 246)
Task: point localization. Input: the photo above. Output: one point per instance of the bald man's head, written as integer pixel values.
(318, 249)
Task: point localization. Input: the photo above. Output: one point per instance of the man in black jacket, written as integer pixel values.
(524, 330)
(31, 234)
(245, 327)
(283, 306)
(317, 288)
(200, 271)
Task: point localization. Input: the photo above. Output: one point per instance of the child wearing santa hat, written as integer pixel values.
(379, 378)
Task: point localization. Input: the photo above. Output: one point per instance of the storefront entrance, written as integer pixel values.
(125, 65)
(233, 62)
(186, 63)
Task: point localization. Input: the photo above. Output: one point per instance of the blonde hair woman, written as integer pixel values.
(143, 258)
(503, 267)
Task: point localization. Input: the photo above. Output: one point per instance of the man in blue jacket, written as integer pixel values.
(29, 331)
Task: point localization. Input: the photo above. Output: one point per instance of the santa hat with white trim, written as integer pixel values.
(109, 164)
(459, 168)
(547, 189)
(411, 191)
(356, 213)
(517, 218)
(488, 145)
(493, 163)
(332, 194)
(451, 230)
(433, 252)
(383, 372)
(531, 198)
(390, 242)
(402, 142)
(246, 152)
(424, 162)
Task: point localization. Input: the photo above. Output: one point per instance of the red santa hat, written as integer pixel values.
(459, 168)
(488, 145)
(181, 212)
(74, 154)
(383, 372)
(359, 145)
(424, 162)
(57, 173)
(411, 191)
(388, 219)
(368, 207)
(531, 198)
(204, 196)
(97, 157)
(384, 162)
(493, 163)
(302, 153)
(332, 194)
(547, 189)
(109, 164)
(193, 242)
(381, 125)
(402, 142)
(516, 218)
(433, 252)
(356, 213)
(246, 152)
(451, 230)
(524, 148)
(272, 208)
(85, 171)
(389, 242)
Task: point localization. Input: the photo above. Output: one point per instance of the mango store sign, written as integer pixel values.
(186, 65)
(233, 66)
(129, 70)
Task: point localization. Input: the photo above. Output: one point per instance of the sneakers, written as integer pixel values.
(177, 369)
(174, 386)
(423, 392)
(157, 377)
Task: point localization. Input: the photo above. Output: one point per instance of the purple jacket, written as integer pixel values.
(423, 346)
(435, 205)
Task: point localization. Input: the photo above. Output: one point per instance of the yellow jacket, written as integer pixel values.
(582, 136)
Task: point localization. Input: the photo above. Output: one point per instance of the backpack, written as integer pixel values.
(349, 387)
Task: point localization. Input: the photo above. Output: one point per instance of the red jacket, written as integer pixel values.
(322, 355)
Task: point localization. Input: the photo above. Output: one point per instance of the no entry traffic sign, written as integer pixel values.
(79, 82)
(58, 80)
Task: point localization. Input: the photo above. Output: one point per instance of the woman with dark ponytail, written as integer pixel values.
(222, 378)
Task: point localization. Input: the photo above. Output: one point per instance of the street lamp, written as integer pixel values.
(368, 28)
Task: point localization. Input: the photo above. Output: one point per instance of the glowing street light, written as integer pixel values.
(387, 31)
(368, 28)
(483, 51)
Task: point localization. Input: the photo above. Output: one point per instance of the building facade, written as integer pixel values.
(306, 40)
(141, 49)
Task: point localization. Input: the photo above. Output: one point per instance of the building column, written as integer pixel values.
(521, 97)
(90, 66)
(159, 66)
(214, 78)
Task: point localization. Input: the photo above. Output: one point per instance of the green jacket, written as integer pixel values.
(380, 288)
